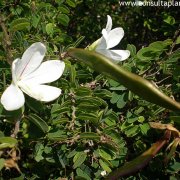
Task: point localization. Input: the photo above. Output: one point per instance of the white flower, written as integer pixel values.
(29, 75)
(103, 173)
(110, 39)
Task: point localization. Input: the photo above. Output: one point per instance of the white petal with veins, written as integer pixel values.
(29, 75)
(30, 61)
(48, 71)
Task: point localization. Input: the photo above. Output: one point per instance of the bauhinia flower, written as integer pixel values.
(29, 75)
(111, 38)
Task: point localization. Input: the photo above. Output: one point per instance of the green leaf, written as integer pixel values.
(50, 28)
(88, 117)
(60, 110)
(174, 168)
(135, 83)
(89, 135)
(64, 9)
(176, 119)
(132, 49)
(139, 110)
(158, 46)
(35, 21)
(110, 121)
(121, 102)
(71, 3)
(132, 119)
(2, 161)
(174, 57)
(7, 142)
(72, 153)
(19, 24)
(106, 153)
(168, 42)
(81, 174)
(103, 93)
(56, 135)
(78, 159)
(169, 20)
(63, 19)
(114, 83)
(95, 101)
(118, 88)
(144, 128)
(83, 91)
(147, 54)
(34, 105)
(141, 119)
(60, 121)
(132, 130)
(72, 74)
(115, 98)
(40, 123)
(39, 148)
(178, 40)
(105, 166)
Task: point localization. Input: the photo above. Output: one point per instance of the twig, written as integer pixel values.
(153, 74)
(6, 40)
(159, 82)
(16, 128)
(176, 35)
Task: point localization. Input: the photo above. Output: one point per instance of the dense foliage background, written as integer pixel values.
(96, 124)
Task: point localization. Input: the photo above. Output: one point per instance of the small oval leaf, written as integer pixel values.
(63, 19)
(39, 122)
(7, 142)
(19, 24)
(79, 158)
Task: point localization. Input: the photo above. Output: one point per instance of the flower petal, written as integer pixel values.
(115, 55)
(105, 34)
(47, 72)
(30, 61)
(104, 52)
(41, 92)
(101, 44)
(114, 37)
(14, 69)
(120, 55)
(12, 98)
(109, 24)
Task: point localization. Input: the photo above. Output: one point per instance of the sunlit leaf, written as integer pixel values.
(7, 142)
(63, 19)
(78, 159)
(20, 24)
